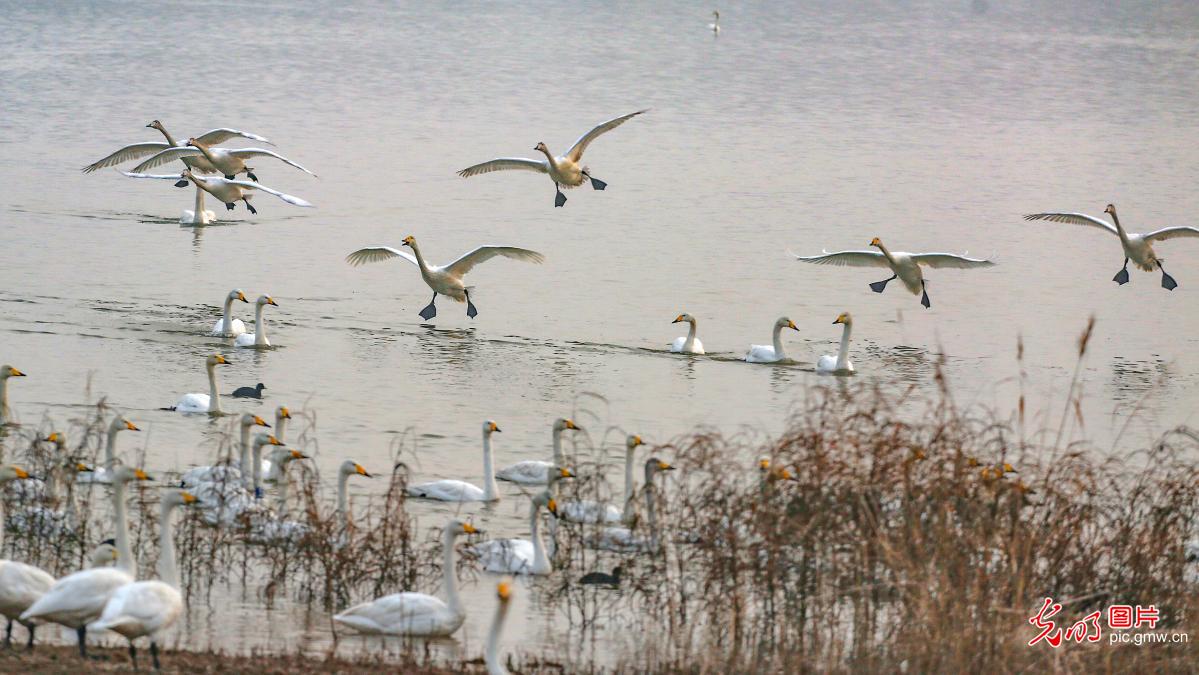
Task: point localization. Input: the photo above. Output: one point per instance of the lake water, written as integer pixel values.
(803, 126)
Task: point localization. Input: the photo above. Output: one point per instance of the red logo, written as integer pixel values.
(1088, 629)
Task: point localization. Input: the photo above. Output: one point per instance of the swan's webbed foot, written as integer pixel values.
(250, 174)
(597, 184)
(182, 183)
(228, 177)
(559, 198)
(431, 310)
(880, 286)
(229, 206)
(1168, 282)
(924, 297)
(470, 307)
(1122, 276)
(250, 206)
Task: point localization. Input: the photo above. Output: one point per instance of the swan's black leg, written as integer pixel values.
(559, 198)
(8, 635)
(29, 644)
(596, 184)
(250, 206)
(228, 177)
(430, 311)
(133, 654)
(924, 298)
(228, 206)
(181, 183)
(81, 633)
(250, 174)
(470, 306)
(1122, 276)
(154, 655)
(879, 286)
(1168, 282)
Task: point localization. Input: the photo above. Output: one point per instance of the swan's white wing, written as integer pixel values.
(246, 153)
(483, 253)
(167, 155)
(221, 135)
(140, 608)
(125, 154)
(941, 260)
(1172, 233)
(1075, 218)
(576, 151)
(846, 259)
(372, 254)
(79, 597)
(290, 199)
(397, 613)
(155, 176)
(540, 166)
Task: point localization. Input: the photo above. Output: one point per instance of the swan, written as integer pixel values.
(444, 279)
(589, 511)
(715, 25)
(534, 471)
(689, 344)
(416, 613)
(258, 337)
(626, 540)
(492, 658)
(460, 491)
(103, 474)
(772, 353)
(139, 150)
(227, 326)
(225, 473)
(282, 417)
(905, 266)
(840, 363)
(47, 520)
(143, 608)
(204, 403)
(228, 191)
(1137, 247)
(520, 556)
(6, 371)
(348, 468)
(78, 599)
(565, 171)
(20, 584)
(260, 467)
(280, 458)
(228, 163)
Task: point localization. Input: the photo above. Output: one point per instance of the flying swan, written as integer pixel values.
(1137, 247)
(228, 191)
(228, 163)
(565, 171)
(839, 364)
(139, 150)
(772, 353)
(905, 266)
(446, 279)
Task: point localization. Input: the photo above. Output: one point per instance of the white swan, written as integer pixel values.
(520, 556)
(565, 171)
(20, 584)
(840, 363)
(444, 279)
(143, 608)
(535, 471)
(627, 540)
(503, 591)
(689, 344)
(228, 191)
(227, 326)
(204, 403)
(590, 511)
(139, 150)
(715, 25)
(416, 613)
(103, 474)
(905, 266)
(258, 337)
(348, 468)
(227, 162)
(225, 473)
(282, 417)
(6, 371)
(460, 491)
(280, 458)
(1137, 247)
(259, 466)
(78, 599)
(772, 353)
(43, 514)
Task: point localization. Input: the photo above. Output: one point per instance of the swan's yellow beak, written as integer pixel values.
(409, 240)
(261, 422)
(1008, 468)
(663, 466)
(284, 413)
(296, 454)
(271, 301)
(80, 467)
(764, 464)
(876, 242)
(221, 359)
(52, 438)
(840, 319)
(792, 326)
(570, 425)
(553, 506)
(188, 498)
(637, 441)
(241, 296)
(361, 471)
(503, 590)
(141, 475)
(566, 473)
(274, 441)
(20, 473)
(493, 427)
(677, 319)
(131, 426)
(15, 373)
(469, 529)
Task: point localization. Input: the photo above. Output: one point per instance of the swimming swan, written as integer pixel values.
(143, 608)
(520, 556)
(627, 540)
(444, 279)
(905, 266)
(461, 491)
(228, 163)
(257, 339)
(689, 344)
(1137, 247)
(715, 25)
(492, 657)
(590, 511)
(535, 471)
(215, 475)
(139, 150)
(204, 403)
(228, 191)
(227, 326)
(771, 353)
(348, 468)
(103, 474)
(839, 364)
(416, 613)
(565, 171)
(6, 371)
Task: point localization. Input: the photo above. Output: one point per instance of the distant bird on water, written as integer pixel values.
(249, 392)
(602, 578)
(715, 25)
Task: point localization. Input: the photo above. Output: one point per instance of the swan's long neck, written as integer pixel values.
(280, 468)
(690, 335)
(1119, 228)
(887, 254)
(110, 445)
(125, 561)
(450, 580)
(778, 342)
(3, 524)
(843, 352)
(214, 394)
(420, 259)
(550, 156)
(204, 149)
(259, 325)
(227, 317)
(168, 571)
(651, 513)
(628, 485)
(244, 454)
(343, 500)
(199, 211)
(4, 400)
(280, 431)
(491, 491)
(540, 561)
(256, 469)
(558, 459)
(492, 657)
(167, 135)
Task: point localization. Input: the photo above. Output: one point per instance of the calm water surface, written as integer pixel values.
(804, 126)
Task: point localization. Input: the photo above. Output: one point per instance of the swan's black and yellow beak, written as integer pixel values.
(131, 426)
